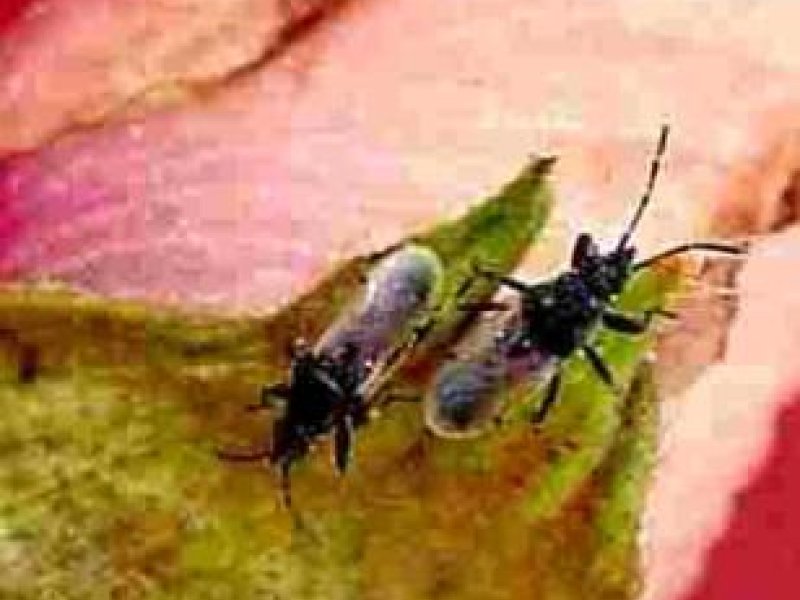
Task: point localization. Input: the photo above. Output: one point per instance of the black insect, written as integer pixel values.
(551, 320)
(332, 388)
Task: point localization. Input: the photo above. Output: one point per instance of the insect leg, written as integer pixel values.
(550, 396)
(421, 330)
(510, 282)
(244, 455)
(465, 287)
(286, 482)
(600, 367)
(623, 323)
(710, 246)
(379, 255)
(330, 383)
(663, 312)
(271, 397)
(488, 306)
(342, 442)
(374, 257)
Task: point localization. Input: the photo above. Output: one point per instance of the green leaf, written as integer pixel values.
(109, 485)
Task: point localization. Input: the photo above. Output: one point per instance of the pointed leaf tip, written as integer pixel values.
(541, 165)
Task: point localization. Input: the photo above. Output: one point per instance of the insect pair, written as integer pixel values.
(332, 388)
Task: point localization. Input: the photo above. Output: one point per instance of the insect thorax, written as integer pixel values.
(606, 274)
(560, 313)
(311, 400)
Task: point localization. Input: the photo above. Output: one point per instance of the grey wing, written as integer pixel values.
(398, 293)
(468, 392)
(463, 398)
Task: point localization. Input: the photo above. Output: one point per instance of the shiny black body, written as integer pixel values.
(557, 316)
(323, 397)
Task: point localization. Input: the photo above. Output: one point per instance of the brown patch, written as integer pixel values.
(787, 212)
(28, 366)
(144, 546)
(760, 195)
(216, 409)
(519, 458)
(309, 315)
(580, 509)
(302, 19)
(24, 354)
(699, 337)
(416, 455)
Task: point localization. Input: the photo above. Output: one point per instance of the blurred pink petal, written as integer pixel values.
(397, 114)
(759, 554)
(67, 64)
(717, 435)
(334, 159)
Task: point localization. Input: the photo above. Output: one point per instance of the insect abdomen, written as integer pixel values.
(468, 393)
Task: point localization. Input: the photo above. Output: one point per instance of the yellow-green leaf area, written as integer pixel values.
(113, 410)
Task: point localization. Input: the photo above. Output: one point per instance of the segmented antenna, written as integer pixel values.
(654, 168)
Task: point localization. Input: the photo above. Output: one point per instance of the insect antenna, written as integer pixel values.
(244, 455)
(655, 166)
(720, 247)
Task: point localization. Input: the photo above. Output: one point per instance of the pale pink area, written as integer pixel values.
(759, 553)
(67, 62)
(336, 159)
(749, 198)
(716, 435)
(398, 114)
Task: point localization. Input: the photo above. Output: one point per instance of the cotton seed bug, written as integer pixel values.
(333, 387)
(551, 321)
